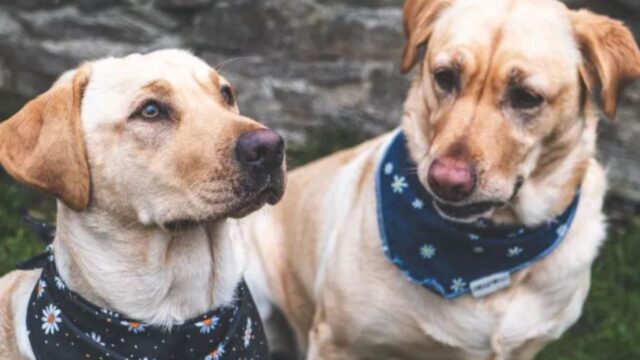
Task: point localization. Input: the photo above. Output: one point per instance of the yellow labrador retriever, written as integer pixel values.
(148, 157)
(498, 135)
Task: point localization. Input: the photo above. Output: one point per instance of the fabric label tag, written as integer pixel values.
(490, 284)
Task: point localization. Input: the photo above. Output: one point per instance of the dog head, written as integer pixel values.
(506, 96)
(153, 138)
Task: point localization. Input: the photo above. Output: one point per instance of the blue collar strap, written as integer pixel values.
(447, 258)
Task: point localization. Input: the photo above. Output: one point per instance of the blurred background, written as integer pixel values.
(325, 74)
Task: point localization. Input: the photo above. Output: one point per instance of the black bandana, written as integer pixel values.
(63, 325)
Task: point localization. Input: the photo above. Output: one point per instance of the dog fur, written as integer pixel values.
(320, 248)
(122, 180)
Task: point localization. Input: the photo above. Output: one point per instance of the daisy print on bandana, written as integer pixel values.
(40, 288)
(110, 313)
(417, 204)
(514, 251)
(388, 168)
(133, 326)
(207, 325)
(246, 339)
(457, 285)
(216, 354)
(399, 184)
(427, 251)
(59, 283)
(96, 338)
(51, 319)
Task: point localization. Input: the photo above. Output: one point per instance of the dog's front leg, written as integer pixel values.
(324, 346)
(324, 341)
(530, 349)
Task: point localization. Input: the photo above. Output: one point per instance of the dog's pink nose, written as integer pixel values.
(452, 179)
(262, 150)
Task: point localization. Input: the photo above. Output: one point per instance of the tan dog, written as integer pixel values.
(501, 123)
(148, 157)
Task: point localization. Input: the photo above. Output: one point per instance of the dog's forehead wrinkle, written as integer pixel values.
(159, 86)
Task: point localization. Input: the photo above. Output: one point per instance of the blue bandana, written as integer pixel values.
(447, 258)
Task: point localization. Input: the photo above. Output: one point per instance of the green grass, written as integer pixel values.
(16, 242)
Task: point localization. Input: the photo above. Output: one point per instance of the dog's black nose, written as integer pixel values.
(262, 150)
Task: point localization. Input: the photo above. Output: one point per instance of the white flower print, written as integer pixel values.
(427, 251)
(399, 184)
(59, 283)
(247, 333)
(519, 232)
(457, 285)
(40, 288)
(482, 223)
(96, 338)
(562, 230)
(51, 319)
(478, 249)
(207, 325)
(474, 237)
(110, 313)
(417, 204)
(133, 326)
(49, 249)
(388, 168)
(216, 354)
(514, 251)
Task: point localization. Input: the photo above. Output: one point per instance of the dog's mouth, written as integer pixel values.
(270, 193)
(474, 211)
(465, 213)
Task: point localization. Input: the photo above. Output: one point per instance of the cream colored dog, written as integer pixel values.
(501, 124)
(148, 157)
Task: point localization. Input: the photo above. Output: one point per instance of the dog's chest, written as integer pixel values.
(390, 314)
(420, 322)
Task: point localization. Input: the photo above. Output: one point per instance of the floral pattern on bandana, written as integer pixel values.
(445, 257)
(63, 325)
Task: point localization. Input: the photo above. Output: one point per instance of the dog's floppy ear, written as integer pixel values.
(43, 144)
(611, 59)
(418, 18)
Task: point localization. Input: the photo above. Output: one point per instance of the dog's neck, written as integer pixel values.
(145, 272)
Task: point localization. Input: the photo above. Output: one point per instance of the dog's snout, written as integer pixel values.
(452, 179)
(262, 150)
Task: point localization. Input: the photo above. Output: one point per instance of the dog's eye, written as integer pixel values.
(447, 79)
(227, 94)
(524, 99)
(150, 110)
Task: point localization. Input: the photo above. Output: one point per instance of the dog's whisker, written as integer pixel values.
(220, 66)
(133, 223)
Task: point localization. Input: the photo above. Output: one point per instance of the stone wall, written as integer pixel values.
(322, 72)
